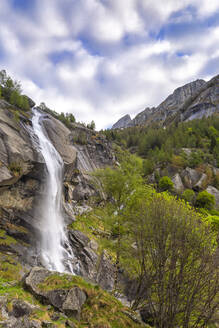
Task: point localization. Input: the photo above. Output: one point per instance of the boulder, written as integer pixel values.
(178, 185)
(200, 185)
(21, 308)
(190, 177)
(23, 322)
(73, 302)
(68, 300)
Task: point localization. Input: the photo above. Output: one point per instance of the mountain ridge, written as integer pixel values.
(192, 100)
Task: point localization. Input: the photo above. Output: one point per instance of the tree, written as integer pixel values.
(118, 184)
(26, 105)
(205, 200)
(175, 271)
(165, 183)
(70, 117)
(91, 125)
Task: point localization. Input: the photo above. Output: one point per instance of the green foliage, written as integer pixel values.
(162, 146)
(11, 91)
(81, 138)
(174, 264)
(91, 125)
(205, 200)
(148, 167)
(214, 221)
(165, 184)
(189, 196)
(65, 118)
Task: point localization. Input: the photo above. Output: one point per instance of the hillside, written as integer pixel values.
(193, 100)
(89, 239)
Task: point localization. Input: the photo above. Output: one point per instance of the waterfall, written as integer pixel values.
(56, 253)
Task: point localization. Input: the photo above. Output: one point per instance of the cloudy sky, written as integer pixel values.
(101, 59)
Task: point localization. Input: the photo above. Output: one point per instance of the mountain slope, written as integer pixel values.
(193, 100)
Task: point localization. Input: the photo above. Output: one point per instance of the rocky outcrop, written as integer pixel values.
(65, 299)
(122, 122)
(97, 268)
(192, 101)
(22, 171)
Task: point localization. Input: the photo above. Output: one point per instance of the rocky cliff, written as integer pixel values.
(22, 177)
(193, 100)
(22, 173)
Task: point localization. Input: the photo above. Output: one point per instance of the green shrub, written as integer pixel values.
(189, 196)
(214, 221)
(148, 166)
(205, 200)
(165, 184)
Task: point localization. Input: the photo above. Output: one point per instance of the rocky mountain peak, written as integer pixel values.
(122, 122)
(192, 100)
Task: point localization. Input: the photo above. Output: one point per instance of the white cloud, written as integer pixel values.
(113, 65)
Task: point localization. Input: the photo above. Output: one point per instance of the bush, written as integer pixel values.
(214, 221)
(165, 184)
(205, 200)
(175, 262)
(189, 196)
(148, 166)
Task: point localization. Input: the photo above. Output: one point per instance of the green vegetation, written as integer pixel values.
(15, 168)
(164, 245)
(11, 92)
(166, 145)
(205, 200)
(91, 125)
(189, 196)
(165, 184)
(100, 310)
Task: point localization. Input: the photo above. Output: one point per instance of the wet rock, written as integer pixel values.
(59, 134)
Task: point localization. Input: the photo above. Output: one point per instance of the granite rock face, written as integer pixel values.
(193, 100)
(122, 122)
(22, 177)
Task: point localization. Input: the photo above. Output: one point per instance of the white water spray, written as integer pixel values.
(56, 253)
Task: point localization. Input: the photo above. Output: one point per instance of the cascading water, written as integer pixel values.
(56, 253)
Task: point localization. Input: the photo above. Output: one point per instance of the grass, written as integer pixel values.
(100, 310)
(5, 239)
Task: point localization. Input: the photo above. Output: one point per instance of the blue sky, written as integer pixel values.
(102, 59)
